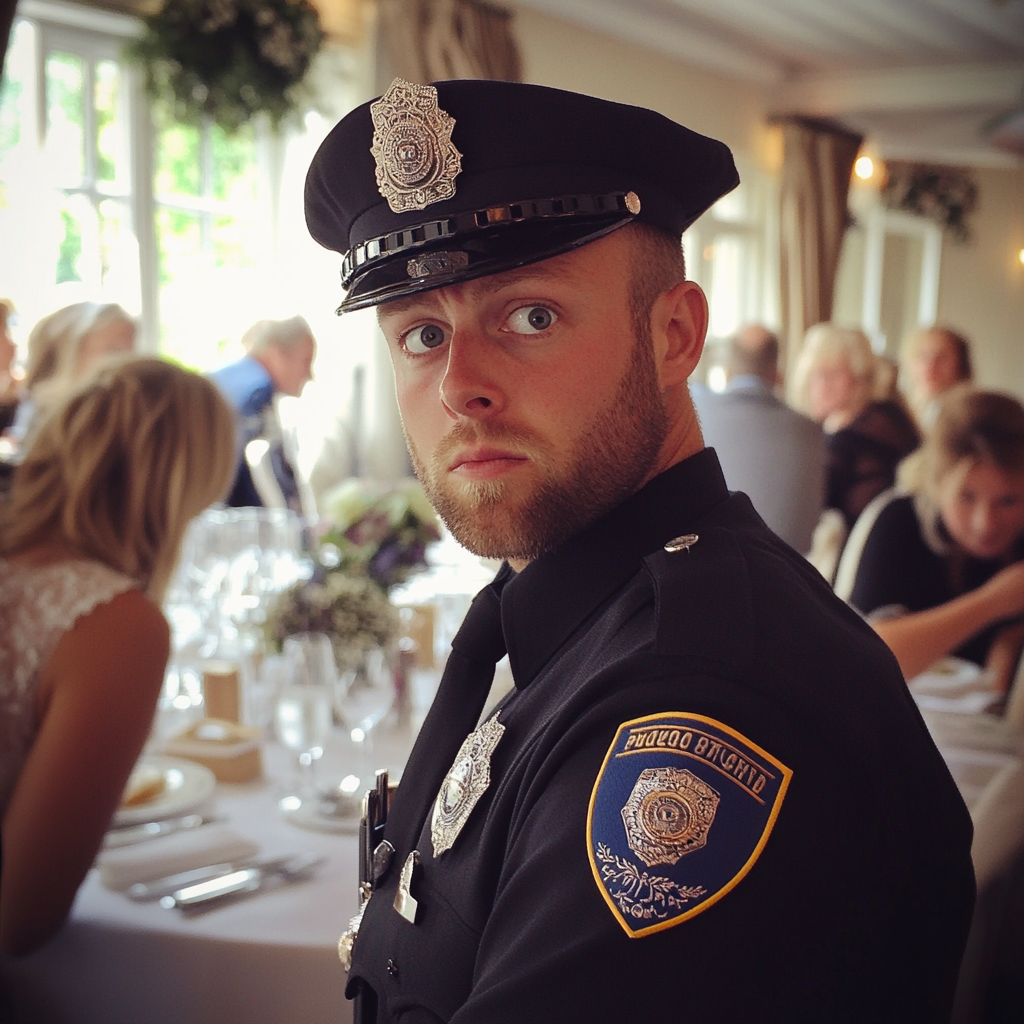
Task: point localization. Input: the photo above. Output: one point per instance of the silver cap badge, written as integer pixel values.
(412, 144)
(465, 783)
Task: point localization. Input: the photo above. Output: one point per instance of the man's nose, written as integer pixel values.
(470, 386)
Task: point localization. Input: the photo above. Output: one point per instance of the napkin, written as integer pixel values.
(167, 855)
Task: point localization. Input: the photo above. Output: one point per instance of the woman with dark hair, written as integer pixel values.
(939, 571)
(934, 360)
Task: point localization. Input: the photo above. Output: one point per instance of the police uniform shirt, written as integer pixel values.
(849, 898)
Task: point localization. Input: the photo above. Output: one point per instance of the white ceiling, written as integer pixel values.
(919, 77)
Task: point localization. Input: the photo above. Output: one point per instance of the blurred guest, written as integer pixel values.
(10, 386)
(934, 360)
(278, 361)
(88, 541)
(939, 570)
(865, 439)
(62, 349)
(767, 450)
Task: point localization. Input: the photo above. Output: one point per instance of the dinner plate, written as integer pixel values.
(186, 786)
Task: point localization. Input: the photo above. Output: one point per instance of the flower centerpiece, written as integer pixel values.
(352, 610)
(228, 59)
(378, 530)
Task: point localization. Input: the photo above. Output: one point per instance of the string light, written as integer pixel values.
(864, 167)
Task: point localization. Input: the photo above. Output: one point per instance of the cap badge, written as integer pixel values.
(412, 144)
(435, 263)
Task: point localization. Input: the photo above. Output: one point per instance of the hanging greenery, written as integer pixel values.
(228, 59)
(945, 195)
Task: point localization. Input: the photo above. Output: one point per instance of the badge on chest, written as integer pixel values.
(467, 780)
(681, 810)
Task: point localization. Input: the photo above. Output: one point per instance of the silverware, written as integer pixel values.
(127, 835)
(143, 892)
(209, 893)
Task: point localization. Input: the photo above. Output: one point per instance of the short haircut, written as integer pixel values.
(657, 264)
(120, 468)
(285, 335)
(826, 341)
(754, 360)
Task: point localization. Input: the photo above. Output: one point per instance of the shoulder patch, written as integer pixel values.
(681, 810)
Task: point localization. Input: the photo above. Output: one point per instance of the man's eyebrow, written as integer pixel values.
(490, 283)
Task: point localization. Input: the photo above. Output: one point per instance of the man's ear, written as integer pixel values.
(679, 324)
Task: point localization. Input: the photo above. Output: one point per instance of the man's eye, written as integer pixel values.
(423, 339)
(531, 319)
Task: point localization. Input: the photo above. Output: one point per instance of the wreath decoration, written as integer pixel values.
(945, 195)
(228, 59)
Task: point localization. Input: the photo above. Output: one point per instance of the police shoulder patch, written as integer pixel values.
(681, 810)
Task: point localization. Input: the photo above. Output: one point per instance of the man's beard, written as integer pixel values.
(609, 461)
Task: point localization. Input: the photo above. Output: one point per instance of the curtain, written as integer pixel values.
(434, 40)
(817, 164)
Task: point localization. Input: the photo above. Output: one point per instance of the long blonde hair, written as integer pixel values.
(121, 467)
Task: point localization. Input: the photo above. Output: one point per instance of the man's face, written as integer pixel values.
(529, 407)
(293, 369)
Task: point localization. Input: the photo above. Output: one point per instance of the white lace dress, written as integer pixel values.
(38, 605)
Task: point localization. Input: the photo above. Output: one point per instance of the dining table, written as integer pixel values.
(268, 958)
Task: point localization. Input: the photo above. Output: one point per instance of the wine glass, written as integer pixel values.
(363, 695)
(302, 711)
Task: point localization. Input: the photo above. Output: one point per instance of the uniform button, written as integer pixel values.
(392, 968)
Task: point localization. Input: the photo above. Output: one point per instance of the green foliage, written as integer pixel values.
(70, 251)
(228, 59)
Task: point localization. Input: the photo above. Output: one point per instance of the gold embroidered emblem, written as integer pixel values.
(668, 814)
(465, 783)
(412, 144)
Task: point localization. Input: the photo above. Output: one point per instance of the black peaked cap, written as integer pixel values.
(542, 171)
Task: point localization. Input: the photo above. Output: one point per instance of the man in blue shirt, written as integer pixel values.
(279, 360)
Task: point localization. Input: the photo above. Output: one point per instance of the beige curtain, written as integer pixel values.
(817, 164)
(434, 40)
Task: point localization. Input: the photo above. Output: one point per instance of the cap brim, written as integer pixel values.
(478, 254)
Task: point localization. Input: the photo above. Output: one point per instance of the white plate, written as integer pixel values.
(186, 786)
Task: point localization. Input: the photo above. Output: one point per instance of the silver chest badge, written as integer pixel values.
(465, 783)
(412, 144)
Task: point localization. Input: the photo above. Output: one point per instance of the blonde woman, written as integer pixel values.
(940, 571)
(62, 350)
(865, 439)
(88, 541)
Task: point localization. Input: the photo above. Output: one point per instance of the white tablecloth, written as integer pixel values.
(268, 959)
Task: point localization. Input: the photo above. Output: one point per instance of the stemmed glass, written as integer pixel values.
(302, 712)
(363, 695)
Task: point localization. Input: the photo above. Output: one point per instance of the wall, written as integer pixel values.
(981, 288)
(566, 56)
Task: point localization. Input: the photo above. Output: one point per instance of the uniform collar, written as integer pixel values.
(552, 596)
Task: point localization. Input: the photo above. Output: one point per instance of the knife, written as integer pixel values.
(143, 892)
(127, 835)
(204, 895)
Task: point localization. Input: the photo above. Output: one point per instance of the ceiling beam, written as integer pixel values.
(951, 87)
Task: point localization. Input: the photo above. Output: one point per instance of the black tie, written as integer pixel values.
(477, 647)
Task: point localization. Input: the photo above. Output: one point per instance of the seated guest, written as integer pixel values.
(88, 541)
(279, 360)
(864, 439)
(773, 454)
(939, 571)
(934, 360)
(62, 349)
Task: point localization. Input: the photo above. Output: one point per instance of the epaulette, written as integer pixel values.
(703, 600)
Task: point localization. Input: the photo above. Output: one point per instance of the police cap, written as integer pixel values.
(430, 185)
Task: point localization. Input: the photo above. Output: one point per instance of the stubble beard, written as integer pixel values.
(610, 459)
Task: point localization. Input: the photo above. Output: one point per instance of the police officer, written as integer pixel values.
(709, 795)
